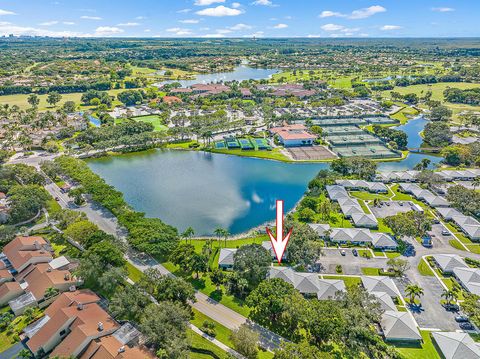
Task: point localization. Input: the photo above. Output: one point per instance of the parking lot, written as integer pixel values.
(391, 208)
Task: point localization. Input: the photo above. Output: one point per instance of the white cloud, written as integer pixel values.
(129, 24)
(207, 2)
(107, 31)
(280, 26)
(390, 27)
(216, 35)
(49, 23)
(140, 18)
(219, 11)
(147, 30)
(332, 27)
(355, 14)
(263, 3)
(240, 27)
(68, 23)
(7, 28)
(443, 9)
(86, 17)
(256, 34)
(367, 12)
(236, 5)
(179, 31)
(6, 12)
(224, 31)
(183, 11)
(189, 21)
(328, 13)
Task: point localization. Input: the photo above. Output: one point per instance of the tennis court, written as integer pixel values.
(232, 142)
(262, 144)
(245, 144)
(220, 145)
(310, 153)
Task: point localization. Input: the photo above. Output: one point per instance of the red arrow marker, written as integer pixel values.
(279, 244)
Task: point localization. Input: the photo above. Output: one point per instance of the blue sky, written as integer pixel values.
(241, 18)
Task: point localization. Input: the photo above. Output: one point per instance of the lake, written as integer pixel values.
(206, 191)
(240, 73)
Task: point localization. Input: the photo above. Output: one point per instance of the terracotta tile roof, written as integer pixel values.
(171, 99)
(43, 277)
(5, 274)
(23, 250)
(110, 348)
(8, 287)
(83, 323)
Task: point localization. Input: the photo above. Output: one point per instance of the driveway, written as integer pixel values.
(12, 351)
(350, 264)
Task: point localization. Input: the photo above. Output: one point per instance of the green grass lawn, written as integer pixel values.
(21, 100)
(274, 154)
(405, 114)
(134, 273)
(155, 120)
(222, 333)
(349, 281)
(18, 324)
(201, 348)
(456, 244)
(424, 269)
(426, 350)
(370, 271)
(437, 94)
(392, 254)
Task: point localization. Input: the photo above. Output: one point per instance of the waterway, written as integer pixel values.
(240, 73)
(207, 191)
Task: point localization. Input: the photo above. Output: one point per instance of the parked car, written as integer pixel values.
(467, 326)
(452, 307)
(461, 319)
(436, 221)
(354, 252)
(57, 199)
(445, 233)
(343, 253)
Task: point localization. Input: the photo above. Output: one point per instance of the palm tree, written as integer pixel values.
(476, 182)
(50, 292)
(449, 295)
(188, 233)
(219, 233)
(414, 291)
(24, 354)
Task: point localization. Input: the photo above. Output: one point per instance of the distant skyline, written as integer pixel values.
(241, 18)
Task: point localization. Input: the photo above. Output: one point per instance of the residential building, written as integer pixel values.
(455, 345)
(226, 258)
(24, 251)
(293, 135)
(399, 326)
(447, 262)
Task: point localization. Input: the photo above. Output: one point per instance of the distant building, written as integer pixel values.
(293, 135)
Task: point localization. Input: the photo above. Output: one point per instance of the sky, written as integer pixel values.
(241, 18)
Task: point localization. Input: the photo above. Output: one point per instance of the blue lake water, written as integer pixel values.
(240, 73)
(206, 191)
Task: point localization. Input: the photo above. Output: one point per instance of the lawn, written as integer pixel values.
(201, 348)
(424, 269)
(274, 154)
(134, 273)
(456, 244)
(426, 350)
(370, 271)
(349, 281)
(437, 94)
(155, 120)
(21, 100)
(222, 333)
(18, 324)
(404, 114)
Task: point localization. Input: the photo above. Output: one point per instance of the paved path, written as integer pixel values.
(217, 343)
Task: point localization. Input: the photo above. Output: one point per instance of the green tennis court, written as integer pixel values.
(155, 120)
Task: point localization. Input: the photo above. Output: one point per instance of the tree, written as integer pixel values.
(440, 113)
(128, 303)
(302, 350)
(26, 202)
(199, 264)
(111, 279)
(413, 291)
(24, 354)
(165, 287)
(398, 266)
(183, 256)
(69, 106)
(304, 248)
(53, 98)
(130, 97)
(306, 215)
(362, 168)
(268, 301)
(245, 341)
(188, 233)
(450, 295)
(50, 292)
(437, 134)
(409, 224)
(108, 252)
(251, 262)
(217, 277)
(164, 327)
(29, 314)
(325, 321)
(422, 165)
(33, 100)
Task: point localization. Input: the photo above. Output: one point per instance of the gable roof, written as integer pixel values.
(386, 302)
(448, 212)
(380, 284)
(399, 325)
(382, 240)
(364, 219)
(226, 256)
(469, 277)
(320, 228)
(455, 345)
(447, 262)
